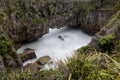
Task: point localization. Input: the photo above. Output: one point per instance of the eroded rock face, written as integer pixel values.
(94, 20)
(112, 28)
(27, 54)
(28, 20)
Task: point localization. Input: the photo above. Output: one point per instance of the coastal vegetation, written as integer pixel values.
(21, 20)
(83, 66)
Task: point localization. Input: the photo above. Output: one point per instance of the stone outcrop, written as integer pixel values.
(112, 28)
(94, 20)
(38, 65)
(27, 54)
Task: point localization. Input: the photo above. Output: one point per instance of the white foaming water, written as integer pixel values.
(58, 43)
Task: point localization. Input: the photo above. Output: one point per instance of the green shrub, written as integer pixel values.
(93, 67)
(107, 43)
(85, 49)
(5, 43)
(4, 47)
(20, 75)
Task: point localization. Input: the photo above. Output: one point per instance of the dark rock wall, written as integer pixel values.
(28, 20)
(94, 20)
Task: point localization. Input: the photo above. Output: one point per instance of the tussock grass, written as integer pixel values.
(98, 66)
(88, 66)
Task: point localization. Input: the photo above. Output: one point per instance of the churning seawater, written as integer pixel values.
(58, 43)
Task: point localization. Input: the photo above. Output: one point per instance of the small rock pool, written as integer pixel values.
(58, 44)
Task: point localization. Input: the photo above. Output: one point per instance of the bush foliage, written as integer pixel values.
(107, 43)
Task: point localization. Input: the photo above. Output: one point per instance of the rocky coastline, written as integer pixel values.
(26, 20)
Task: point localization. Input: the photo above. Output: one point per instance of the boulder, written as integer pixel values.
(27, 54)
(38, 65)
(61, 37)
(32, 67)
(44, 60)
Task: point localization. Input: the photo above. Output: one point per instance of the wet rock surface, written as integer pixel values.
(61, 37)
(27, 54)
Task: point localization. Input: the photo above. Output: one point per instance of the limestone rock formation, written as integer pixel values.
(26, 20)
(94, 20)
(112, 28)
